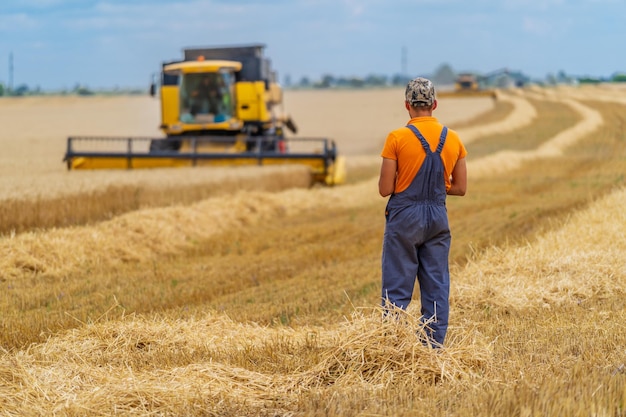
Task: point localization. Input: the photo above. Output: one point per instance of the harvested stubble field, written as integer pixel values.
(242, 292)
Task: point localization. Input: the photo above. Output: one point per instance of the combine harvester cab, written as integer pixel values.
(219, 106)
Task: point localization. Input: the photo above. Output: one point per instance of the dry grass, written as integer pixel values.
(551, 270)
(501, 110)
(522, 114)
(507, 160)
(37, 192)
(96, 204)
(214, 365)
(220, 367)
(260, 303)
(555, 117)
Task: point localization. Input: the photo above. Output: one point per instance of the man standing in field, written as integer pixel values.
(422, 164)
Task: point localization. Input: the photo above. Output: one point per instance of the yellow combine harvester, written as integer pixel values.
(219, 106)
(468, 85)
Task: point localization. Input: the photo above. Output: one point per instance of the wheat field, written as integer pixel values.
(232, 292)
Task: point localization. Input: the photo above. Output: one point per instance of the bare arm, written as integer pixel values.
(387, 180)
(458, 179)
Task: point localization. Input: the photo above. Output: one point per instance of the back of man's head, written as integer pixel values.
(420, 92)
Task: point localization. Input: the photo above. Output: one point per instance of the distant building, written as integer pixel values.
(505, 78)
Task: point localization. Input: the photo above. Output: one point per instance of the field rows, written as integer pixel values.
(264, 302)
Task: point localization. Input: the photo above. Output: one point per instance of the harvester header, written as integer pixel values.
(219, 106)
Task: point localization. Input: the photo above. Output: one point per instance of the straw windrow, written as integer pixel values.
(537, 325)
(137, 366)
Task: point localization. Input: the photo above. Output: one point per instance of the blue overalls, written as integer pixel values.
(416, 243)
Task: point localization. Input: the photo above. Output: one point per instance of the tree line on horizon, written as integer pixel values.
(78, 90)
(443, 75)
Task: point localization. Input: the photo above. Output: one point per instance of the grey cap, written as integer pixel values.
(420, 92)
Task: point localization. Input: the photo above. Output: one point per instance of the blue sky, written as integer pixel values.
(106, 43)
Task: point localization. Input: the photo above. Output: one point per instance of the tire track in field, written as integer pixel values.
(507, 160)
(522, 115)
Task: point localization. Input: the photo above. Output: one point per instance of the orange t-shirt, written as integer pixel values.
(404, 147)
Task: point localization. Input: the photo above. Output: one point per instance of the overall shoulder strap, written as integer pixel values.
(421, 138)
(442, 139)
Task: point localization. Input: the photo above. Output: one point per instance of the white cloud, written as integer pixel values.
(18, 21)
(546, 27)
(39, 5)
(533, 4)
(35, 3)
(355, 7)
(536, 26)
(200, 14)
